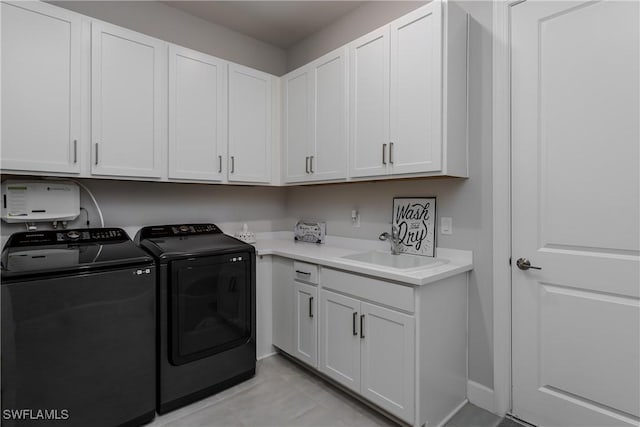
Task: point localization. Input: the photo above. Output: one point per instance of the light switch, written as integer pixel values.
(446, 225)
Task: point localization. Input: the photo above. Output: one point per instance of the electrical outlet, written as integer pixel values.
(355, 219)
(446, 225)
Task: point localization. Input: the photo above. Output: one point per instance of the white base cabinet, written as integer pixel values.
(370, 350)
(295, 302)
(400, 347)
(387, 366)
(305, 339)
(340, 339)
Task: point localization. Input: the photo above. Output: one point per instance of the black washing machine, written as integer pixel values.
(206, 311)
(78, 329)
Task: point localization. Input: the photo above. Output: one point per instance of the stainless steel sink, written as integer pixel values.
(400, 262)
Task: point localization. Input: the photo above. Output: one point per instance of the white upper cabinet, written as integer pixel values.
(328, 154)
(315, 120)
(197, 115)
(126, 102)
(297, 100)
(369, 104)
(250, 125)
(40, 88)
(415, 144)
(408, 95)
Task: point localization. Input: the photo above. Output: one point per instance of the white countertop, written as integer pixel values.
(329, 254)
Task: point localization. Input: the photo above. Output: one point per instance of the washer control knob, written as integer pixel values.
(183, 228)
(73, 235)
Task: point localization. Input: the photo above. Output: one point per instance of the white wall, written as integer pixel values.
(467, 201)
(354, 24)
(132, 204)
(170, 24)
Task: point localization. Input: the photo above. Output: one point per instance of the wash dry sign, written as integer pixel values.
(415, 219)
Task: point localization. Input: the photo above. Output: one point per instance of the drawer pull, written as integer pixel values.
(303, 272)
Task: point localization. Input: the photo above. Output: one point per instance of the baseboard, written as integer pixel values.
(455, 411)
(480, 395)
(264, 356)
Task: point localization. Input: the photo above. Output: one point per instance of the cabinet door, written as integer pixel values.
(339, 339)
(369, 104)
(40, 88)
(249, 125)
(197, 115)
(282, 301)
(416, 141)
(388, 360)
(329, 140)
(126, 102)
(305, 337)
(298, 124)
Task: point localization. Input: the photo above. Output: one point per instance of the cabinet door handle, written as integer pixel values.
(391, 153)
(97, 146)
(355, 315)
(219, 164)
(233, 164)
(310, 306)
(384, 154)
(306, 164)
(311, 164)
(75, 151)
(362, 326)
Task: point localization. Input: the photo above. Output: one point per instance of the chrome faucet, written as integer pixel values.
(393, 238)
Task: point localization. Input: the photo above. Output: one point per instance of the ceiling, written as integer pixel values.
(280, 23)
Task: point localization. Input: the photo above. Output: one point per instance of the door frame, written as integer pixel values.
(501, 177)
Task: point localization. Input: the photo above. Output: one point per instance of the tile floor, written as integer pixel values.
(284, 394)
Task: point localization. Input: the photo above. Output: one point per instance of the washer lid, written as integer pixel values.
(167, 248)
(62, 252)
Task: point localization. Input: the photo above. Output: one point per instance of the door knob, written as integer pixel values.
(525, 264)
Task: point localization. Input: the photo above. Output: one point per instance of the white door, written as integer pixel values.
(298, 124)
(126, 102)
(388, 354)
(339, 339)
(306, 324)
(249, 125)
(40, 88)
(575, 153)
(197, 115)
(329, 141)
(415, 143)
(369, 104)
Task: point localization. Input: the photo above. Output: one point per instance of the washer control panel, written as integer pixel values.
(81, 235)
(177, 230)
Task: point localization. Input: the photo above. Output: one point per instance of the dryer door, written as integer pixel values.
(210, 305)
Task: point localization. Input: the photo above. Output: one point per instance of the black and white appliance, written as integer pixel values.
(78, 329)
(206, 311)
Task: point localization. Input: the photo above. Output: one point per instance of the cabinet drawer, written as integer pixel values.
(376, 290)
(305, 272)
